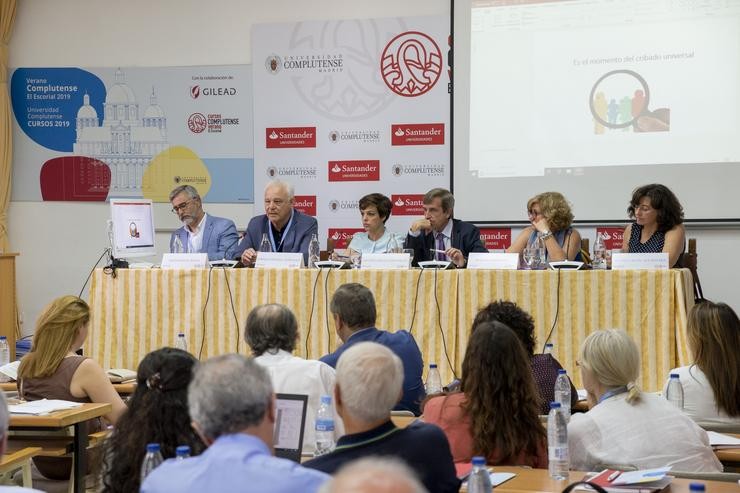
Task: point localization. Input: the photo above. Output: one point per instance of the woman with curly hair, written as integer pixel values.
(551, 218)
(658, 225)
(157, 413)
(496, 413)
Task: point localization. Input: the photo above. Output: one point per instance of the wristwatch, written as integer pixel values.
(546, 234)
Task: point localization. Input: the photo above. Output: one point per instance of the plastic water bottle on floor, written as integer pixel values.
(4, 351)
(180, 342)
(548, 348)
(479, 480)
(152, 460)
(182, 452)
(674, 392)
(434, 381)
(324, 427)
(557, 442)
(562, 393)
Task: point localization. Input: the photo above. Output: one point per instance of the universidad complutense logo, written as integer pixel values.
(342, 236)
(305, 203)
(411, 64)
(408, 204)
(354, 170)
(287, 137)
(197, 122)
(613, 237)
(417, 134)
(495, 238)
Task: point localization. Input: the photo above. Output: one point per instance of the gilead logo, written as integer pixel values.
(496, 238)
(306, 204)
(417, 134)
(287, 137)
(342, 236)
(613, 237)
(408, 204)
(357, 170)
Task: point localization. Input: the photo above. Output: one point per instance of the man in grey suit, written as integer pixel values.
(201, 233)
(287, 229)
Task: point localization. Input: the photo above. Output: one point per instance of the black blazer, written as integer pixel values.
(465, 237)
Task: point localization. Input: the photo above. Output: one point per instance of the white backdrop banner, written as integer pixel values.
(344, 108)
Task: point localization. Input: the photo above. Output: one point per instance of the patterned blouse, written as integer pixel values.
(654, 244)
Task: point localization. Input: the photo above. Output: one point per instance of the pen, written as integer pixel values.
(613, 476)
(438, 251)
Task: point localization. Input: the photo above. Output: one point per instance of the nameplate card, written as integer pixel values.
(184, 261)
(279, 260)
(640, 261)
(493, 260)
(385, 261)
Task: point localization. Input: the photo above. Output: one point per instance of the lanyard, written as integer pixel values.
(279, 247)
(612, 393)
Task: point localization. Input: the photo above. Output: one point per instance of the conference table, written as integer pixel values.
(140, 310)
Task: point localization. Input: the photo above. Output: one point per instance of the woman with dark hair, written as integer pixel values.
(711, 385)
(551, 218)
(658, 225)
(375, 209)
(157, 413)
(496, 413)
(544, 366)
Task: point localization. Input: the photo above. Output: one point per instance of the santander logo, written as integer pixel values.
(342, 236)
(306, 204)
(289, 137)
(408, 204)
(417, 134)
(613, 237)
(496, 238)
(354, 170)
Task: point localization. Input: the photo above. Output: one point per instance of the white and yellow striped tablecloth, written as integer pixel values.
(142, 310)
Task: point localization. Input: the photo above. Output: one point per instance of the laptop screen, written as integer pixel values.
(290, 418)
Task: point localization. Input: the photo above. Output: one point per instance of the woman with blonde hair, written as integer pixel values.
(52, 370)
(711, 385)
(624, 426)
(550, 217)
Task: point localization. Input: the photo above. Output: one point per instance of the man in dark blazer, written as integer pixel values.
(287, 229)
(440, 237)
(200, 233)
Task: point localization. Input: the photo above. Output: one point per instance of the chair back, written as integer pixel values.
(688, 260)
(585, 255)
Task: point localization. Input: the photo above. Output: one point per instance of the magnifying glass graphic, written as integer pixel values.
(621, 98)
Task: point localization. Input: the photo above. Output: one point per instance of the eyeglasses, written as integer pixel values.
(181, 207)
(533, 213)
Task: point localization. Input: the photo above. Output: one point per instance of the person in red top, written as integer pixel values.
(496, 413)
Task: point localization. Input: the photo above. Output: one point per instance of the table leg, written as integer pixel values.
(79, 454)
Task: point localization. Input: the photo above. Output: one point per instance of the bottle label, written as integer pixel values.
(324, 425)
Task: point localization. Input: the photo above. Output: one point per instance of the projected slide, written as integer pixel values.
(590, 83)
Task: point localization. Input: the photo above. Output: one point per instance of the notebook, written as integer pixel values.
(290, 418)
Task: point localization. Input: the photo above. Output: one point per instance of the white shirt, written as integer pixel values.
(293, 375)
(647, 434)
(446, 231)
(698, 397)
(195, 238)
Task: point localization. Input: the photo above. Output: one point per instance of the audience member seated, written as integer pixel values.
(375, 209)
(52, 370)
(625, 426)
(551, 217)
(658, 225)
(496, 414)
(157, 413)
(711, 386)
(353, 308)
(272, 332)
(544, 366)
(4, 423)
(374, 475)
(233, 410)
(369, 378)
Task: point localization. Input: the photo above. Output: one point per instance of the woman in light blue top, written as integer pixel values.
(375, 209)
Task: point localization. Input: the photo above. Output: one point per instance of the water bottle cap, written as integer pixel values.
(674, 375)
(180, 334)
(3, 338)
(549, 344)
(562, 371)
(182, 450)
(326, 399)
(696, 487)
(432, 365)
(152, 447)
(479, 461)
(554, 405)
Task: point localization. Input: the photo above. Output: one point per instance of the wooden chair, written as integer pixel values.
(585, 256)
(688, 260)
(19, 459)
(324, 255)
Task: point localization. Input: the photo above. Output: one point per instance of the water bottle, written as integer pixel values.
(674, 392)
(177, 246)
(314, 251)
(182, 452)
(180, 342)
(599, 259)
(4, 351)
(324, 427)
(265, 245)
(557, 442)
(394, 246)
(434, 381)
(152, 459)
(548, 348)
(541, 262)
(562, 393)
(479, 480)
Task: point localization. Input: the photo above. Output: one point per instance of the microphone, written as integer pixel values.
(224, 262)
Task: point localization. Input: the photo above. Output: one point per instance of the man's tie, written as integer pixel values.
(441, 246)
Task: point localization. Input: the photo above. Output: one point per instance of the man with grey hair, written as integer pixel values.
(272, 332)
(353, 308)
(4, 422)
(287, 229)
(200, 233)
(232, 406)
(437, 236)
(374, 475)
(369, 378)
